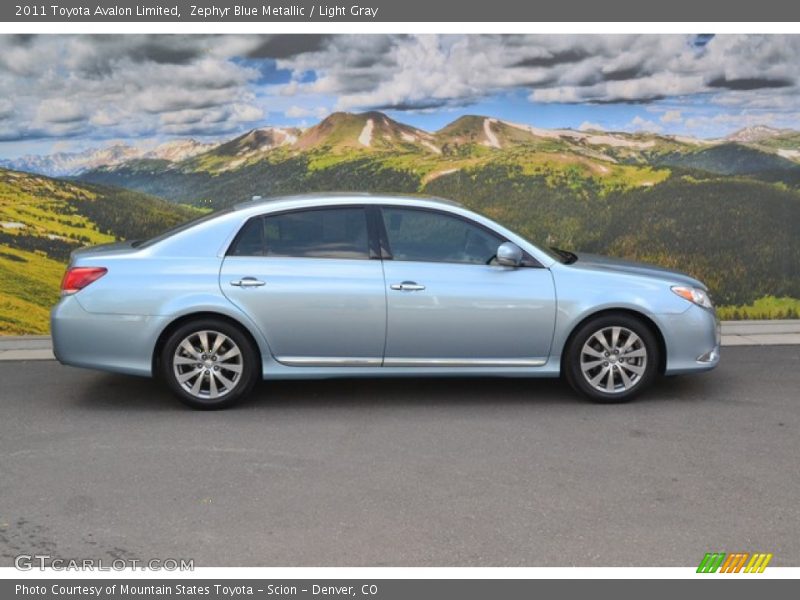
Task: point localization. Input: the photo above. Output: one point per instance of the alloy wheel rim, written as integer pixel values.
(613, 360)
(208, 364)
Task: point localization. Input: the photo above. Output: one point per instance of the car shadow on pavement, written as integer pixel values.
(411, 391)
(119, 392)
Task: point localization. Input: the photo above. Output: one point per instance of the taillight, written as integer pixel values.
(77, 278)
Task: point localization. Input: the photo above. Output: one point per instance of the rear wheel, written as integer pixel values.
(612, 358)
(209, 364)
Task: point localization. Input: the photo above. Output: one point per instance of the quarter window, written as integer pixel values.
(324, 233)
(428, 236)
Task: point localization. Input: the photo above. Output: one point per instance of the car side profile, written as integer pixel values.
(358, 285)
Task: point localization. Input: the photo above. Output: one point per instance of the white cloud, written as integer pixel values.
(126, 86)
(246, 113)
(419, 72)
(301, 112)
(639, 123)
(297, 112)
(671, 116)
(104, 118)
(589, 126)
(6, 108)
(143, 86)
(59, 110)
(734, 121)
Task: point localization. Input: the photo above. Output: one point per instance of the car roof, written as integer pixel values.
(334, 198)
(223, 225)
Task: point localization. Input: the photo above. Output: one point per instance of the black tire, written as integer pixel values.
(630, 376)
(172, 364)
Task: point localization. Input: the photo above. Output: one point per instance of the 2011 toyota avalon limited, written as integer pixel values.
(358, 285)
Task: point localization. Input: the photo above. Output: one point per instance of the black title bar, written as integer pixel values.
(264, 11)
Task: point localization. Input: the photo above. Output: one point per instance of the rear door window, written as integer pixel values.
(318, 233)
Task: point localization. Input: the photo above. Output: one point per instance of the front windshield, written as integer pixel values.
(565, 257)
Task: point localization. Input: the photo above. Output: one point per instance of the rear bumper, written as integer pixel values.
(692, 339)
(118, 343)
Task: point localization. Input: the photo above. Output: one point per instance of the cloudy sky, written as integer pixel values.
(62, 93)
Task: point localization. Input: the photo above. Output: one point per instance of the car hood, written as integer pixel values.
(619, 265)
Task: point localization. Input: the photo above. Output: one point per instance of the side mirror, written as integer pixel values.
(509, 255)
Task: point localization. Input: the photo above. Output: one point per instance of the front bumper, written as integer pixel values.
(109, 342)
(692, 339)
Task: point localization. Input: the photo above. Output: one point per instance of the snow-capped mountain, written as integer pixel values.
(67, 164)
(755, 133)
(177, 150)
(375, 132)
(63, 164)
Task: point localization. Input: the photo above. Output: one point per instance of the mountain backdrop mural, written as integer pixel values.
(589, 170)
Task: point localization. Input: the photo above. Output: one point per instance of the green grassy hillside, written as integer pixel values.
(730, 159)
(768, 307)
(726, 211)
(738, 235)
(42, 220)
(338, 154)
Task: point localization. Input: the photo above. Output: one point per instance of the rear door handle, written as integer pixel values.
(407, 286)
(247, 282)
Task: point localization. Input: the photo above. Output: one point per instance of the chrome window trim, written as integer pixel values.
(371, 235)
(358, 361)
(328, 361)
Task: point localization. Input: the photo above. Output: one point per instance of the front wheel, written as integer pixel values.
(612, 358)
(209, 364)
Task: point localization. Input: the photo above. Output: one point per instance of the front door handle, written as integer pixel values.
(407, 286)
(247, 282)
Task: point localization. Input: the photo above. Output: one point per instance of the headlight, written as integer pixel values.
(693, 294)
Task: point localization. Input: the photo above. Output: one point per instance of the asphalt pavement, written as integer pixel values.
(404, 472)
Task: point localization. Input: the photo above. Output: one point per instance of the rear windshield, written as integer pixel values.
(182, 227)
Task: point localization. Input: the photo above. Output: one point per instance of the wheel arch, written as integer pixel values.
(644, 318)
(183, 319)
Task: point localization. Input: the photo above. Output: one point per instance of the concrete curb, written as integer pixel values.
(26, 347)
(24, 354)
(760, 333)
(734, 333)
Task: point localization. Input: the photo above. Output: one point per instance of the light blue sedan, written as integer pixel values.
(349, 285)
